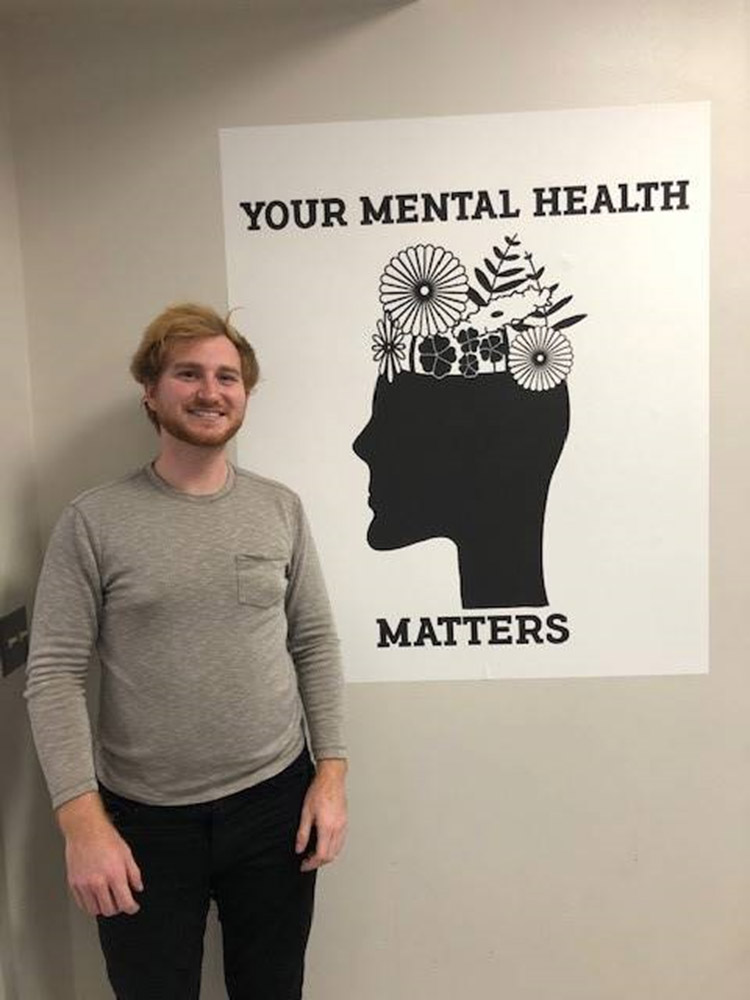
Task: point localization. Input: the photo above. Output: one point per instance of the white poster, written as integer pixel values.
(484, 352)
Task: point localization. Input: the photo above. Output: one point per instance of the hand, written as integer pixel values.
(324, 809)
(102, 873)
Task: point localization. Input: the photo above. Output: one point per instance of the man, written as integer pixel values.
(199, 588)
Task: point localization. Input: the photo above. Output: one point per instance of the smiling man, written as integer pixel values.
(198, 586)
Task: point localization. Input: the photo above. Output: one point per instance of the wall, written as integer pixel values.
(582, 840)
(34, 941)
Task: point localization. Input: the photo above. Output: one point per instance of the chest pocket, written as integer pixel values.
(261, 580)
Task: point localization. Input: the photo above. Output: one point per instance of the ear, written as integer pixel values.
(149, 389)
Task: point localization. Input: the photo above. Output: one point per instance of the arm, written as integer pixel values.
(101, 870)
(314, 647)
(64, 630)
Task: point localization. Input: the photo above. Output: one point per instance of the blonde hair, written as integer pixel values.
(187, 321)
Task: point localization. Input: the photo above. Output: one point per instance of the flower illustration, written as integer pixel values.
(437, 355)
(540, 359)
(468, 338)
(425, 289)
(468, 365)
(492, 348)
(388, 347)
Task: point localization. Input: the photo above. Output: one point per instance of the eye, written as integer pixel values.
(186, 374)
(228, 377)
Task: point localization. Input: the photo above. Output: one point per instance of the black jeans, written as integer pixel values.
(238, 850)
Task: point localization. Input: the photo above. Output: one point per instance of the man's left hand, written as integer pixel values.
(324, 809)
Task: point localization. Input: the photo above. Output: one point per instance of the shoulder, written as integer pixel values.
(98, 511)
(273, 506)
(111, 495)
(88, 517)
(251, 483)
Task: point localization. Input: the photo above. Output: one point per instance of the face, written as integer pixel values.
(405, 446)
(199, 397)
(458, 458)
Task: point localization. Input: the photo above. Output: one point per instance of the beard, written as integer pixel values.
(201, 433)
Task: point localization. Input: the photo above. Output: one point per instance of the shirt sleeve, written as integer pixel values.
(64, 629)
(314, 646)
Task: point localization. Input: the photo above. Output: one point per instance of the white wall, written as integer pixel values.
(35, 957)
(582, 840)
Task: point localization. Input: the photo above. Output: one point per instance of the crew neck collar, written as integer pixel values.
(164, 487)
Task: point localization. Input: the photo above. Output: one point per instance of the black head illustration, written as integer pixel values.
(469, 416)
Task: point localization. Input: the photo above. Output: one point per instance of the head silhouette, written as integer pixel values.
(470, 460)
(470, 414)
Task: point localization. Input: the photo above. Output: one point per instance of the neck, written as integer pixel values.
(190, 469)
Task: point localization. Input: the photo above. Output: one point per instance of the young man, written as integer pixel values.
(199, 588)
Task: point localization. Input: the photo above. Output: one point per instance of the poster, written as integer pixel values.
(484, 352)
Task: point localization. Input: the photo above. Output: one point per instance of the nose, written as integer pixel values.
(361, 442)
(208, 389)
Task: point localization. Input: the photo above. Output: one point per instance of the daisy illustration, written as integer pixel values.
(425, 289)
(388, 347)
(540, 359)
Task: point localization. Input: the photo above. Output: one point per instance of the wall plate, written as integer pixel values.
(14, 640)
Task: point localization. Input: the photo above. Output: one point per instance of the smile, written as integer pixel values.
(206, 414)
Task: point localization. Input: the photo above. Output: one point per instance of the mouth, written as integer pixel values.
(203, 414)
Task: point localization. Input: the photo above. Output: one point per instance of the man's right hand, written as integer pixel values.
(102, 873)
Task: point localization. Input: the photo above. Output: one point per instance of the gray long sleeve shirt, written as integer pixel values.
(213, 630)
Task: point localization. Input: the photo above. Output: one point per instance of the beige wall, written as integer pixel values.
(582, 840)
(35, 957)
